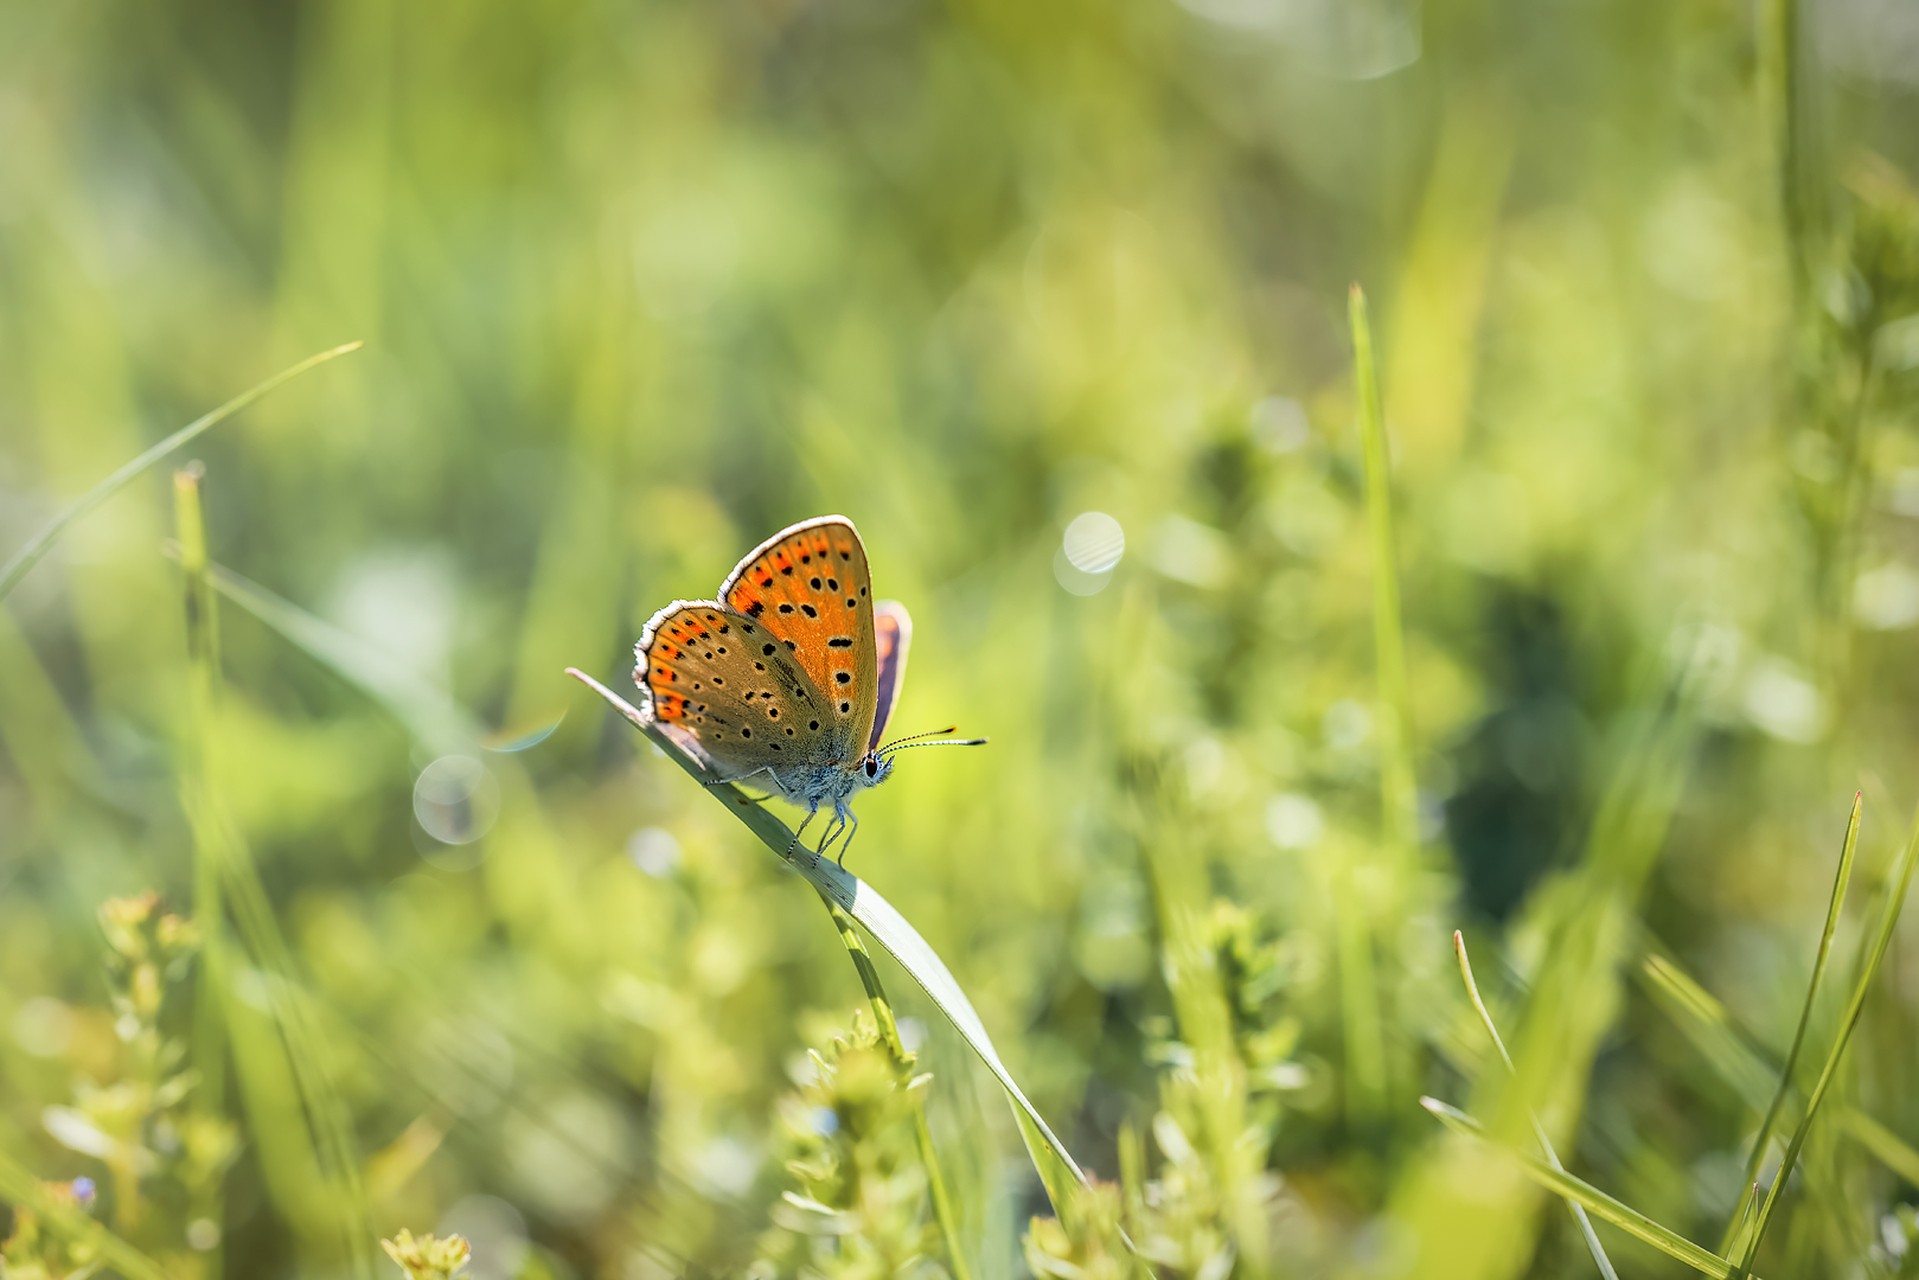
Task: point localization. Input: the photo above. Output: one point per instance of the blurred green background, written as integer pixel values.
(642, 283)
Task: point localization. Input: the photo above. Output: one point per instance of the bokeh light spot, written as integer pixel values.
(456, 799)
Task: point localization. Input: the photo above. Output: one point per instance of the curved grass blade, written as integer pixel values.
(886, 926)
(1593, 1246)
(1873, 955)
(432, 717)
(1764, 1136)
(38, 545)
(1561, 1183)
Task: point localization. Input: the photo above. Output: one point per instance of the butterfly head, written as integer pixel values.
(874, 769)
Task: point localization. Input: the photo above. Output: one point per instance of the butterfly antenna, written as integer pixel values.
(908, 744)
(915, 737)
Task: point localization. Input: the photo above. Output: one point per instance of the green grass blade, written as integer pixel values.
(432, 717)
(1561, 1183)
(889, 1030)
(1398, 797)
(1855, 1005)
(1833, 906)
(880, 920)
(1883, 1143)
(199, 802)
(1726, 1046)
(226, 879)
(40, 543)
(1593, 1246)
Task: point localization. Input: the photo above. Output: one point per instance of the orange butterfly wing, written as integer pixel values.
(809, 586)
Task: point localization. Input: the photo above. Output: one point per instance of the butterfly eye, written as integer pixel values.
(872, 766)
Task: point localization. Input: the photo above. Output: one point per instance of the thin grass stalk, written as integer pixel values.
(1837, 900)
(1398, 794)
(1617, 1212)
(889, 1030)
(1740, 1060)
(203, 678)
(1873, 955)
(1593, 1246)
(1725, 1045)
(1780, 44)
(1398, 791)
(40, 543)
(226, 879)
(306, 1054)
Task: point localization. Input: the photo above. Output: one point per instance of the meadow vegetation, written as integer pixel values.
(1453, 739)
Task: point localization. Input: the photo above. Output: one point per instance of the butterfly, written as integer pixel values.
(789, 678)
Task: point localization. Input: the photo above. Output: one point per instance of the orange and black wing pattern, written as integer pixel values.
(809, 586)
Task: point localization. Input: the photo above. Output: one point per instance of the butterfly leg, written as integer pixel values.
(804, 824)
(845, 826)
(852, 829)
(833, 830)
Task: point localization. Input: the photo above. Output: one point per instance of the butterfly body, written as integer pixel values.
(787, 679)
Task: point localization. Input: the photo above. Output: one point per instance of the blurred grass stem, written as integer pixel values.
(1874, 954)
(1764, 1136)
(199, 792)
(1558, 1181)
(1593, 1246)
(38, 545)
(1398, 795)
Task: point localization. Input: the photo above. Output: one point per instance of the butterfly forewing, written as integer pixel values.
(726, 686)
(808, 586)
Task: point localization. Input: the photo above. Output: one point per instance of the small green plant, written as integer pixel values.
(158, 1148)
(1094, 1248)
(428, 1257)
(1191, 1218)
(38, 1250)
(858, 1204)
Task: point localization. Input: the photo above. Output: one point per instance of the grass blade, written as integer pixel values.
(1764, 1136)
(886, 925)
(1855, 1005)
(40, 543)
(199, 802)
(432, 717)
(1561, 1183)
(1742, 1063)
(1725, 1046)
(1398, 798)
(285, 1070)
(1593, 1246)
(1398, 793)
(1883, 1143)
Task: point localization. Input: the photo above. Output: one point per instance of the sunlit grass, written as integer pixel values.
(1548, 591)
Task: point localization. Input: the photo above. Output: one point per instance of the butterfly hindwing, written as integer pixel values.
(725, 686)
(892, 632)
(809, 586)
